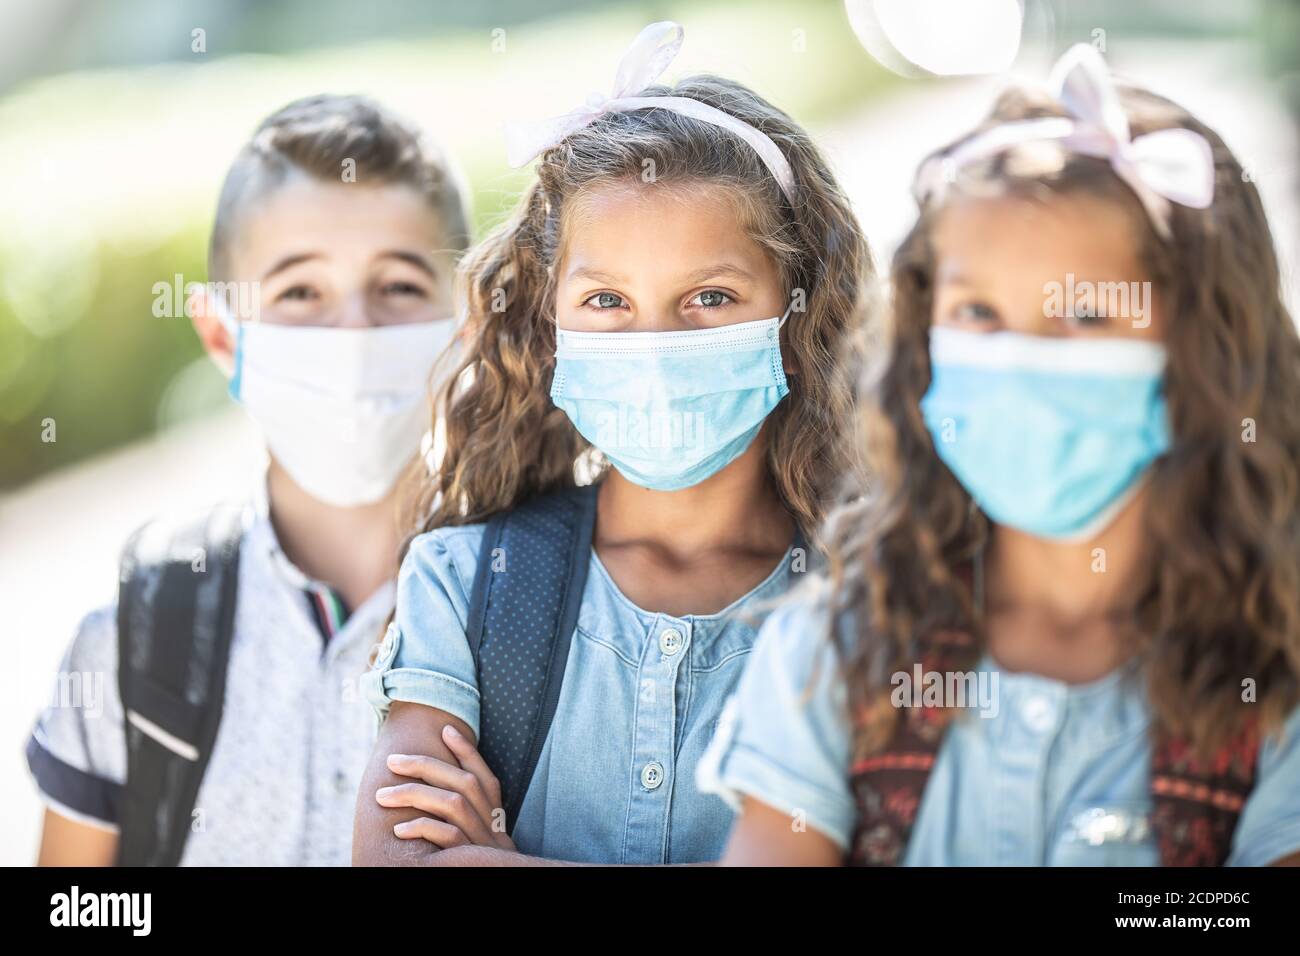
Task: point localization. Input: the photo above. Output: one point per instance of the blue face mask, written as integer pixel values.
(1049, 435)
(670, 409)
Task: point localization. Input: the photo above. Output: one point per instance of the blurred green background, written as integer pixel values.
(115, 133)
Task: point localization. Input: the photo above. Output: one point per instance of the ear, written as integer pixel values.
(217, 340)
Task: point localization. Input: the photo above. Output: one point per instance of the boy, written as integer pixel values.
(232, 732)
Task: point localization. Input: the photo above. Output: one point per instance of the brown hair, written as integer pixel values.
(505, 440)
(316, 135)
(1222, 602)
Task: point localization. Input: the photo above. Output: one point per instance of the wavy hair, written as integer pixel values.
(1222, 599)
(506, 441)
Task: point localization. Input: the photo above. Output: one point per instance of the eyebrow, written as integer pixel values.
(411, 258)
(290, 261)
(404, 255)
(596, 275)
(720, 270)
(952, 277)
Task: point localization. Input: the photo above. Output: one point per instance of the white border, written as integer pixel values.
(1041, 353)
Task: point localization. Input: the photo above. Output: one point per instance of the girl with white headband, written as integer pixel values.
(658, 323)
(1062, 623)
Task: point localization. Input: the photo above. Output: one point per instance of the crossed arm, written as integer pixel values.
(428, 799)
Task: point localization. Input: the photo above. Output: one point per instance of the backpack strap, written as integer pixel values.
(175, 619)
(888, 784)
(1196, 802)
(532, 568)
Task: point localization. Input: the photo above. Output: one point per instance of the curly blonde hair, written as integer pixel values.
(506, 441)
(1222, 601)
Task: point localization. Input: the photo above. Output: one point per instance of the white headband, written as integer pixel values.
(1169, 165)
(649, 55)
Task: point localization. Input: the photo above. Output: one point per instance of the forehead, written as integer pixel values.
(630, 227)
(340, 221)
(1010, 237)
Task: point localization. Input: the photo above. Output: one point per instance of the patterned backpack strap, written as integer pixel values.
(532, 569)
(1196, 801)
(888, 784)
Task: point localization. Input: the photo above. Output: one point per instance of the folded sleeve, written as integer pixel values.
(1269, 827)
(424, 657)
(784, 737)
(77, 750)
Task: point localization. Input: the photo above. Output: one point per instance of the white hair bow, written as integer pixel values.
(1168, 165)
(649, 55)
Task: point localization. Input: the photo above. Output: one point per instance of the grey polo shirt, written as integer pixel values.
(280, 787)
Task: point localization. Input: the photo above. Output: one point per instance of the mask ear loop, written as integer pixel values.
(781, 324)
(236, 329)
(228, 321)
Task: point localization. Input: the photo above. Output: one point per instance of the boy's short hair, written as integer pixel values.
(316, 135)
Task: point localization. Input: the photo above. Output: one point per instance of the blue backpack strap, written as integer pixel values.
(532, 568)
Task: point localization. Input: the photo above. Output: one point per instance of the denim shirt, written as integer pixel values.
(641, 698)
(1043, 773)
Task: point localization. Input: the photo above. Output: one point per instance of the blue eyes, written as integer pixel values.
(716, 299)
(708, 299)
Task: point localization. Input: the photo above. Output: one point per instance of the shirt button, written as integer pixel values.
(652, 775)
(1038, 714)
(670, 641)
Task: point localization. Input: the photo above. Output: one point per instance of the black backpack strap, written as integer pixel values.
(175, 619)
(532, 568)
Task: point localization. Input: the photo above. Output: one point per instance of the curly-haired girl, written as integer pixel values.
(1082, 524)
(670, 298)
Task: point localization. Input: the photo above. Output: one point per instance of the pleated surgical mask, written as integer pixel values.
(670, 409)
(343, 410)
(1051, 436)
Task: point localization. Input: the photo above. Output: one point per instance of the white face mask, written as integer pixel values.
(342, 410)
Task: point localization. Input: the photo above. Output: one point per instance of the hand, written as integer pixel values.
(463, 798)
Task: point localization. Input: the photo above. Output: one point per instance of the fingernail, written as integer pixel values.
(449, 729)
(396, 758)
(383, 792)
(401, 828)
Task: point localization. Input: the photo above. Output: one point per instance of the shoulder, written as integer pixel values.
(1269, 828)
(437, 577)
(93, 648)
(449, 555)
(795, 643)
(784, 739)
(77, 750)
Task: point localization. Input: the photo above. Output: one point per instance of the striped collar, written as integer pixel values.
(325, 604)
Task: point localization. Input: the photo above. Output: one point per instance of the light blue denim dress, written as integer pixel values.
(641, 698)
(1049, 774)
